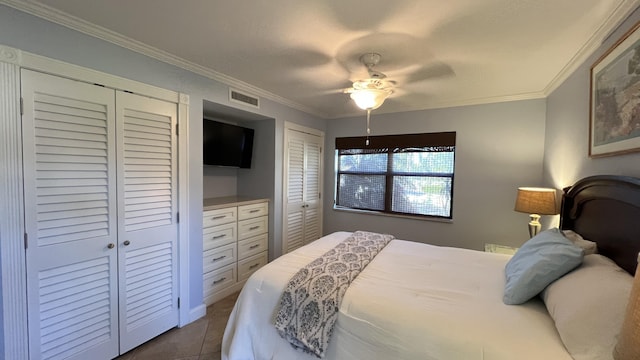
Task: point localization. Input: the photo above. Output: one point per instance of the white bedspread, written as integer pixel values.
(413, 301)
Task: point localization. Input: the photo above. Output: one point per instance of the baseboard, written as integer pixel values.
(197, 312)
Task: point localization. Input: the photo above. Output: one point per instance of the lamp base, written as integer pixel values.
(534, 225)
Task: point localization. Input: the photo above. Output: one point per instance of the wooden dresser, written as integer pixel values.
(235, 243)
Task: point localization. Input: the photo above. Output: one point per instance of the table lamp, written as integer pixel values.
(535, 202)
(628, 346)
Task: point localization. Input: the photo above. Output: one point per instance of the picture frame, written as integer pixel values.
(614, 116)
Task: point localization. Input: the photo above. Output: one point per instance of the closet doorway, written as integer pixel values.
(303, 170)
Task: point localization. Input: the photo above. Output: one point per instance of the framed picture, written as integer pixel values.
(614, 126)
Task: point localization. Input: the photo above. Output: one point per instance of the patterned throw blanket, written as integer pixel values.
(309, 305)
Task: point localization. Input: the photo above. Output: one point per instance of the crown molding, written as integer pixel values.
(622, 12)
(61, 18)
(455, 103)
(624, 9)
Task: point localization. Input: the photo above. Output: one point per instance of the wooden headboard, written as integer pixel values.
(606, 209)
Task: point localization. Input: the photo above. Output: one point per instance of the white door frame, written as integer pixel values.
(12, 230)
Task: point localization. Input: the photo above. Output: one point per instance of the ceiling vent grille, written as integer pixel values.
(243, 98)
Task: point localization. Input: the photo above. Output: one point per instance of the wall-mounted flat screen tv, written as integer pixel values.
(226, 144)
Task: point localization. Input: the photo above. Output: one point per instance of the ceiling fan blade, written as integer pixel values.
(350, 14)
(435, 70)
(398, 51)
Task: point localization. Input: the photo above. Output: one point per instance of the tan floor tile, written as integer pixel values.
(211, 356)
(200, 340)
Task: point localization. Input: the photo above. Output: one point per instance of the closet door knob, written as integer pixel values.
(126, 242)
(111, 245)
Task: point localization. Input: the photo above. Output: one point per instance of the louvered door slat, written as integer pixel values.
(56, 134)
(74, 206)
(47, 183)
(145, 200)
(62, 200)
(296, 170)
(69, 103)
(60, 144)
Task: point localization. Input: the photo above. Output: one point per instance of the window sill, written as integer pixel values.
(379, 213)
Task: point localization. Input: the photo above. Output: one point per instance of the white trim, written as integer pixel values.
(186, 315)
(293, 126)
(56, 16)
(624, 9)
(40, 10)
(10, 55)
(75, 72)
(12, 252)
(196, 313)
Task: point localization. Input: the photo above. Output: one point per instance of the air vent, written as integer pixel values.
(237, 96)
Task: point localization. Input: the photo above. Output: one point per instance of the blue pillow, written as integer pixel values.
(540, 261)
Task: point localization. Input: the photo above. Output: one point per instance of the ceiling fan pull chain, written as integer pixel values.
(368, 129)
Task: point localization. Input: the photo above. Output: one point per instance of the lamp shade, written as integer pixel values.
(369, 99)
(628, 346)
(532, 200)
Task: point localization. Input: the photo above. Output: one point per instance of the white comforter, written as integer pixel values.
(413, 301)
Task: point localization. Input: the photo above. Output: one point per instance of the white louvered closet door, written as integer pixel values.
(312, 181)
(100, 170)
(294, 227)
(303, 205)
(70, 218)
(147, 224)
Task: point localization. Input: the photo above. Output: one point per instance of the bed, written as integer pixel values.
(418, 301)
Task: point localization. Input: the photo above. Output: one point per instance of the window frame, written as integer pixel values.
(390, 144)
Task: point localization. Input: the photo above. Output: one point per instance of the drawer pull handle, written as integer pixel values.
(254, 246)
(254, 211)
(253, 266)
(254, 228)
(219, 281)
(218, 217)
(220, 236)
(219, 258)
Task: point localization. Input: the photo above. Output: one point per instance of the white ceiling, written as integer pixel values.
(304, 52)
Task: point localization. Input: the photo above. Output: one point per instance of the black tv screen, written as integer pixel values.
(226, 145)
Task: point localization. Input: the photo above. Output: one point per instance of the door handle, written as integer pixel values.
(111, 245)
(126, 242)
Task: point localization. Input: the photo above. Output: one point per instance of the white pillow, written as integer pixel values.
(588, 306)
(589, 247)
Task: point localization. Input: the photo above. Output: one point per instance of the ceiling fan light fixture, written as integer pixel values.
(370, 99)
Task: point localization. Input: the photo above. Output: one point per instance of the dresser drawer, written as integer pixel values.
(219, 279)
(252, 227)
(219, 216)
(252, 246)
(252, 210)
(219, 257)
(249, 265)
(219, 235)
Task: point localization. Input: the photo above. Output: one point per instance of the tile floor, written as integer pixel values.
(199, 340)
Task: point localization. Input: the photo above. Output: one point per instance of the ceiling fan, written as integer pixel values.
(370, 93)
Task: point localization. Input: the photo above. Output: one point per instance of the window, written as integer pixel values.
(397, 174)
